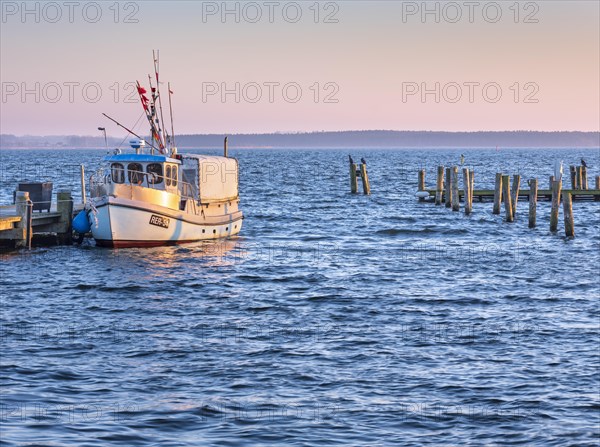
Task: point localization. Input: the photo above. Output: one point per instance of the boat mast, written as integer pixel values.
(155, 120)
(144, 100)
(156, 68)
(171, 113)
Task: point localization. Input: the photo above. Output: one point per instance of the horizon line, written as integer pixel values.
(309, 132)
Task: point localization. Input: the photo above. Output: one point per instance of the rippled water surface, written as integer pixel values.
(332, 320)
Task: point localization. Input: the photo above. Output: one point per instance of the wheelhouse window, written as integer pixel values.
(135, 173)
(117, 173)
(171, 175)
(168, 175)
(156, 173)
(174, 175)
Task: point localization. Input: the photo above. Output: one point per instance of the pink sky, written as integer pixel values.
(371, 66)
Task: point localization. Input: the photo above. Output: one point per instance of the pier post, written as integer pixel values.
(497, 193)
(568, 211)
(556, 189)
(29, 224)
(225, 148)
(64, 206)
(573, 173)
(21, 207)
(533, 187)
(82, 172)
(584, 179)
(551, 180)
(455, 197)
(365, 178)
(421, 183)
(515, 193)
(579, 177)
(472, 179)
(507, 198)
(467, 186)
(448, 193)
(353, 179)
(439, 185)
(597, 198)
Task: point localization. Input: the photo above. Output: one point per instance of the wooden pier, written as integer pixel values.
(20, 226)
(502, 190)
(485, 195)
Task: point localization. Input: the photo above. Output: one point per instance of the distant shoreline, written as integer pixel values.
(368, 139)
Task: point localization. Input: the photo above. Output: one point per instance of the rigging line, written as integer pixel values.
(127, 136)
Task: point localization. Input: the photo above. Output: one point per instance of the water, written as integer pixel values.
(332, 320)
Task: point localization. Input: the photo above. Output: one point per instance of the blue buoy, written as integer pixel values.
(81, 223)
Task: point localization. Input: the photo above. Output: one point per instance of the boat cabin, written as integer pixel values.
(204, 179)
(151, 171)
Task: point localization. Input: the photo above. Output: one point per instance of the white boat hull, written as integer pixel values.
(128, 223)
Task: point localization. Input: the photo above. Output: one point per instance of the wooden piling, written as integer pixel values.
(439, 185)
(225, 148)
(556, 189)
(551, 181)
(64, 206)
(29, 224)
(507, 198)
(515, 193)
(365, 178)
(421, 186)
(353, 179)
(455, 197)
(597, 198)
(472, 179)
(584, 178)
(497, 193)
(573, 172)
(533, 189)
(579, 177)
(82, 173)
(467, 187)
(21, 208)
(422, 180)
(568, 212)
(448, 193)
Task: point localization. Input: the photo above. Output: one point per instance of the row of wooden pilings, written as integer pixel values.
(361, 172)
(447, 189)
(579, 179)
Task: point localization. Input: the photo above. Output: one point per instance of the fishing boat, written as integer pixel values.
(154, 196)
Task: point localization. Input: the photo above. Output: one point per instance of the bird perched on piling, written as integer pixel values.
(363, 161)
(558, 170)
(583, 163)
(350, 158)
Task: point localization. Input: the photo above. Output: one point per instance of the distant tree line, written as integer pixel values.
(342, 139)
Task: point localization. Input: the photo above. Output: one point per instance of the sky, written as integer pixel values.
(253, 67)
